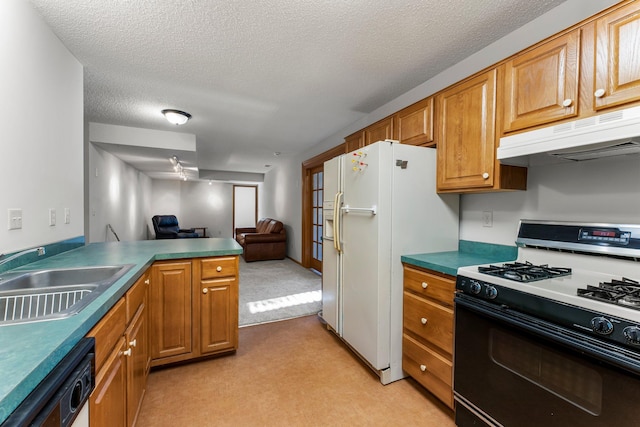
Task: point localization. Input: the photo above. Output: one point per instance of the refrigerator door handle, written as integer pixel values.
(373, 209)
(337, 222)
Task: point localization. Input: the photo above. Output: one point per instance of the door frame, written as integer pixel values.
(307, 202)
(233, 204)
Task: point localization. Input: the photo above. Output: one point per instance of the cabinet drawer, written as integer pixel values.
(212, 268)
(430, 285)
(430, 321)
(431, 370)
(108, 331)
(135, 296)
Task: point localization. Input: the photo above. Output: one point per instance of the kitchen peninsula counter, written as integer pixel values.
(468, 253)
(29, 351)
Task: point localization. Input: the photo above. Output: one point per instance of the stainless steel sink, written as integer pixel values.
(39, 295)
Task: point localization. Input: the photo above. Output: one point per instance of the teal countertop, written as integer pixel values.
(468, 253)
(29, 351)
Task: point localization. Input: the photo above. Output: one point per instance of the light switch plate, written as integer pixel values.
(52, 217)
(15, 219)
(487, 219)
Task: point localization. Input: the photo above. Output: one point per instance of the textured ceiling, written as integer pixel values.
(266, 76)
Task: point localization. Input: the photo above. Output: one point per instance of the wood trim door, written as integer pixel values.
(309, 167)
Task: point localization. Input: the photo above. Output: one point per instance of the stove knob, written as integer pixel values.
(632, 334)
(601, 326)
(475, 287)
(491, 292)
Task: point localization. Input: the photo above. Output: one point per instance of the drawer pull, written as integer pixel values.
(423, 368)
(146, 282)
(567, 102)
(205, 290)
(127, 352)
(218, 269)
(599, 93)
(485, 175)
(424, 285)
(133, 343)
(423, 320)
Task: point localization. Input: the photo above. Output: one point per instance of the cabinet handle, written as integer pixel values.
(425, 285)
(205, 290)
(485, 175)
(133, 343)
(423, 320)
(423, 368)
(218, 269)
(567, 102)
(146, 282)
(127, 352)
(599, 93)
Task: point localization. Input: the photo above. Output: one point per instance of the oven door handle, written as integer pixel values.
(582, 343)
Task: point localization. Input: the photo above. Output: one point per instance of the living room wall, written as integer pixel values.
(196, 204)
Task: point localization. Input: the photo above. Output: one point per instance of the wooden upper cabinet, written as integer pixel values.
(466, 133)
(414, 124)
(379, 131)
(354, 141)
(541, 85)
(617, 57)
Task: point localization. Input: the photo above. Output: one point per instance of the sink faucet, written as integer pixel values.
(39, 250)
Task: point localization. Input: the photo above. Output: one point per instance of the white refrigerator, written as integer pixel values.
(380, 203)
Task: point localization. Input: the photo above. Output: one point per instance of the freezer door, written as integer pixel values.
(331, 260)
(366, 244)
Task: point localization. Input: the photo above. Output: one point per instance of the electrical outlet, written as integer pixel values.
(52, 217)
(487, 219)
(15, 219)
(67, 215)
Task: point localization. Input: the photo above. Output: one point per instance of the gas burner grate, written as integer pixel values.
(622, 292)
(524, 271)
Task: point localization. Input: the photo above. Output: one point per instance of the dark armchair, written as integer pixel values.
(267, 240)
(166, 227)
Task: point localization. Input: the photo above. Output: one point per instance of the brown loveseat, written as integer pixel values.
(268, 240)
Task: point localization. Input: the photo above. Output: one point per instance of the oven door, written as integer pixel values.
(514, 370)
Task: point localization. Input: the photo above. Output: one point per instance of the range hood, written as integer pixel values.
(605, 135)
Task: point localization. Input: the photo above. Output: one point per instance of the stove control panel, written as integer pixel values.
(476, 288)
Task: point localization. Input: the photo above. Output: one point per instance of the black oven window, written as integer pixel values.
(565, 377)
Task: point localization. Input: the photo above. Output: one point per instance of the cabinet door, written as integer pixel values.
(170, 309)
(617, 78)
(353, 142)
(466, 134)
(541, 85)
(379, 131)
(108, 401)
(414, 124)
(137, 363)
(218, 315)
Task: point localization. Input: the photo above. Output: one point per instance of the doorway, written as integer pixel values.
(245, 206)
(312, 193)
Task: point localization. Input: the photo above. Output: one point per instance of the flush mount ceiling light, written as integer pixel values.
(176, 117)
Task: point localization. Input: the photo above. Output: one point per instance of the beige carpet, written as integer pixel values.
(290, 373)
(277, 290)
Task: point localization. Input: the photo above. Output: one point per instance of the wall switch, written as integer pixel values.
(487, 219)
(52, 217)
(67, 215)
(15, 219)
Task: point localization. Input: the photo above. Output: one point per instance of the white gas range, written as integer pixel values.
(560, 325)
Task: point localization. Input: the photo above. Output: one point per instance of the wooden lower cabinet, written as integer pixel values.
(194, 308)
(427, 340)
(122, 360)
(170, 311)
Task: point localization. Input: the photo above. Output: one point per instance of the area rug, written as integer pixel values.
(277, 290)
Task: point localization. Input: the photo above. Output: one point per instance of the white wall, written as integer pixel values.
(603, 190)
(506, 206)
(41, 131)
(118, 195)
(196, 204)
